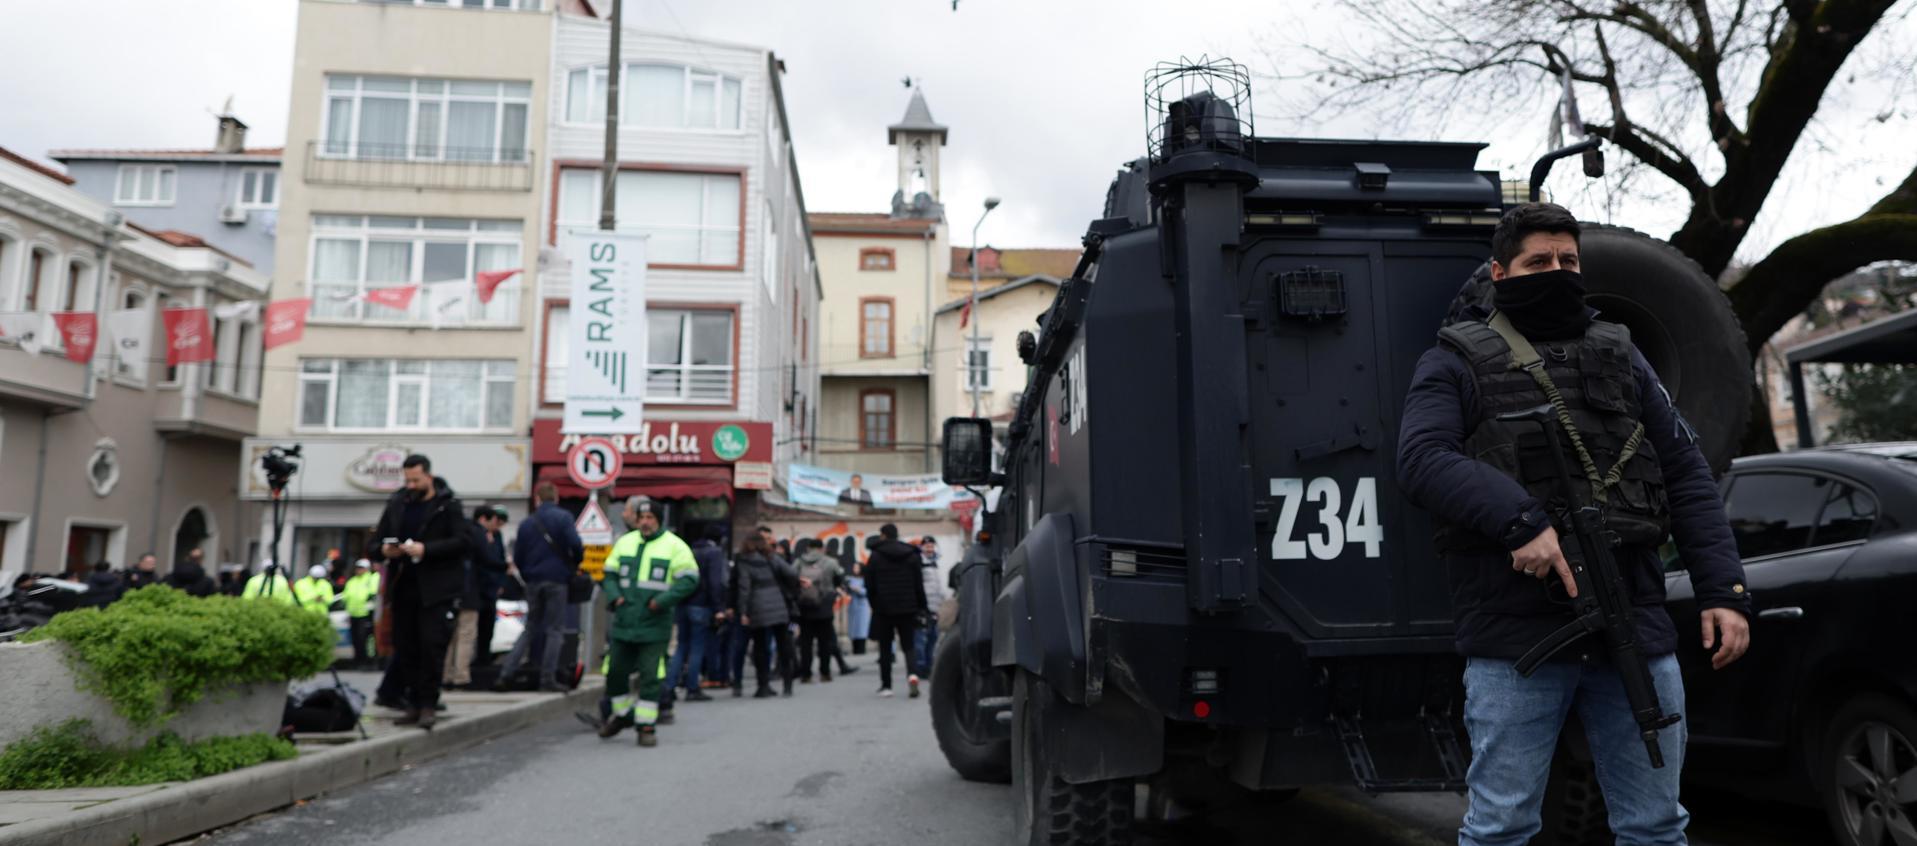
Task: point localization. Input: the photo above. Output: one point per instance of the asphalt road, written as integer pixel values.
(832, 765)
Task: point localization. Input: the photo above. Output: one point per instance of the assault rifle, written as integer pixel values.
(1603, 603)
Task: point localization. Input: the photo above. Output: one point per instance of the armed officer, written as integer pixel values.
(649, 571)
(1493, 487)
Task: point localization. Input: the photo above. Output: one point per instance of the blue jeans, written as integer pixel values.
(694, 622)
(922, 645)
(545, 615)
(1514, 722)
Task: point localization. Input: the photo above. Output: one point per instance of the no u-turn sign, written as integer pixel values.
(593, 463)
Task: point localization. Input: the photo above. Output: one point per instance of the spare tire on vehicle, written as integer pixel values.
(1678, 318)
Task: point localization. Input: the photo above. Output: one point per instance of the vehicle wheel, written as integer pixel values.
(1678, 318)
(1052, 812)
(1574, 812)
(954, 720)
(1864, 771)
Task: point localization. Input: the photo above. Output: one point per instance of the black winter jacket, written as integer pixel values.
(763, 589)
(893, 582)
(439, 575)
(1501, 613)
(189, 577)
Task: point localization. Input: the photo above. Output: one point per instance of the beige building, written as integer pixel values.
(113, 455)
(883, 275)
(410, 160)
(1015, 287)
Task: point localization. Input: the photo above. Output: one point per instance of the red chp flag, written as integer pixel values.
(489, 281)
(188, 338)
(286, 321)
(400, 298)
(80, 330)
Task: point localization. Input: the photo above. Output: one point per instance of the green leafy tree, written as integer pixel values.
(1874, 402)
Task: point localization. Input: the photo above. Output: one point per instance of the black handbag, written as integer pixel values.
(579, 586)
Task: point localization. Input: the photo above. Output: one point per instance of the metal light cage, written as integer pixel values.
(1171, 126)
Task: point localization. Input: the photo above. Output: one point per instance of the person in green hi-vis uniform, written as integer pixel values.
(648, 572)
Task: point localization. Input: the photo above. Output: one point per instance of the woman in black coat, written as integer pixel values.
(763, 586)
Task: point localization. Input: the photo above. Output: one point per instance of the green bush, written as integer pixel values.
(157, 650)
(67, 755)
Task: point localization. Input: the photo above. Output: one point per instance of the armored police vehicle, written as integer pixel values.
(1198, 575)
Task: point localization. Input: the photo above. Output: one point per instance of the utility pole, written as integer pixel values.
(609, 170)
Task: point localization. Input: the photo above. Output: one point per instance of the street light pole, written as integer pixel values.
(971, 369)
(609, 169)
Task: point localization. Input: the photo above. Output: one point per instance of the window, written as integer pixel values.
(875, 327)
(38, 286)
(496, 5)
(405, 394)
(77, 293)
(1774, 513)
(129, 300)
(352, 253)
(89, 545)
(877, 429)
(144, 185)
(7, 249)
(656, 97)
(978, 363)
(689, 356)
(259, 188)
(877, 258)
(391, 117)
(692, 218)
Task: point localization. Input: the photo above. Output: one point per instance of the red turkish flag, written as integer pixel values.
(80, 330)
(188, 336)
(399, 298)
(490, 280)
(286, 321)
(965, 313)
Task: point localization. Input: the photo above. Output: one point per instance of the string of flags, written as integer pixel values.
(189, 333)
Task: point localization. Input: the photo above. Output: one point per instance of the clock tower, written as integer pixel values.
(918, 139)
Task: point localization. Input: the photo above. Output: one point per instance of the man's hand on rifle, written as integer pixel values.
(1729, 632)
(1542, 556)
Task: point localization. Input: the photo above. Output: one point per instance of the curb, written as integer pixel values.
(185, 809)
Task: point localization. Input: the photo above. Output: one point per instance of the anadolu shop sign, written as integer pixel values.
(667, 442)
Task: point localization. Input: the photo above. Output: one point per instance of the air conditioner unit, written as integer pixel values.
(232, 214)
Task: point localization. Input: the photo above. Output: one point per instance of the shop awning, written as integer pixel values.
(664, 481)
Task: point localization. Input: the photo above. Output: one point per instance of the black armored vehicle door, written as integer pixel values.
(1335, 330)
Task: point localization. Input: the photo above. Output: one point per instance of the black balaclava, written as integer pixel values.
(1546, 306)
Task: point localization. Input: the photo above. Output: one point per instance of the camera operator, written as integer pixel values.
(425, 540)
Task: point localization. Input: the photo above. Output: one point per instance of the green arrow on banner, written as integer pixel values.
(613, 413)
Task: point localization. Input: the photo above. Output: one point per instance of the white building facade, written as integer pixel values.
(706, 172)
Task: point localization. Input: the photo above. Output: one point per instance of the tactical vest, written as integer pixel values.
(1598, 386)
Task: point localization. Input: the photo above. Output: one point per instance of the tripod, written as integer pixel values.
(279, 470)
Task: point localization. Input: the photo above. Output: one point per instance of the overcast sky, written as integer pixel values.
(1044, 99)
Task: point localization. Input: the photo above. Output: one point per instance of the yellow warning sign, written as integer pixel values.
(595, 561)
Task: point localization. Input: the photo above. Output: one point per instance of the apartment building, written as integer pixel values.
(411, 167)
(884, 272)
(116, 453)
(706, 171)
(1015, 287)
(227, 194)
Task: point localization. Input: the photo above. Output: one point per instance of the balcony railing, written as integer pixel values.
(333, 303)
(419, 166)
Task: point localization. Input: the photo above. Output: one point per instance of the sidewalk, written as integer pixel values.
(161, 813)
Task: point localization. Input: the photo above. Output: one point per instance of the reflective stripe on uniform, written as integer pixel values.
(662, 666)
(622, 704)
(651, 585)
(645, 713)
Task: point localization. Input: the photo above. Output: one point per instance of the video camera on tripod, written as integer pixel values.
(280, 463)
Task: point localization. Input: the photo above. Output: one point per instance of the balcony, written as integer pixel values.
(215, 415)
(407, 166)
(333, 305)
(47, 379)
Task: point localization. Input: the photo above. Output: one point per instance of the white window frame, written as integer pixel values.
(481, 5)
(415, 96)
(695, 380)
(122, 196)
(974, 371)
(725, 182)
(258, 175)
(596, 79)
(494, 374)
(501, 313)
(127, 293)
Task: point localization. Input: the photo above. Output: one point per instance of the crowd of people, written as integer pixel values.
(683, 616)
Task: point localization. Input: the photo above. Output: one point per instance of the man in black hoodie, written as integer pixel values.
(425, 539)
(896, 590)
